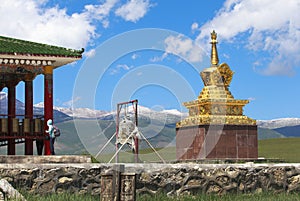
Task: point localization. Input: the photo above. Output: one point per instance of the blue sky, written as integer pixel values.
(154, 50)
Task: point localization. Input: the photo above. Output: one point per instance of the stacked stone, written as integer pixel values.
(170, 179)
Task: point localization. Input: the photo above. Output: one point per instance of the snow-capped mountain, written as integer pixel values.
(3, 104)
(278, 123)
(142, 112)
(3, 95)
(76, 112)
(167, 116)
(20, 109)
(174, 112)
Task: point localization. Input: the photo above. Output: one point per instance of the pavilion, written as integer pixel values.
(22, 61)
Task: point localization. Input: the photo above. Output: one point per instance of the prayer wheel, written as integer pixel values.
(37, 125)
(15, 125)
(26, 125)
(4, 125)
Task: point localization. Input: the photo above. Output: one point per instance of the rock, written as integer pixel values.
(9, 191)
(146, 191)
(295, 180)
(63, 180)
(145, 176)
(214, 189)
(2, 198)
(279, 176)
(232, 172)
(241, 187)
(294, 183)
(258, 190)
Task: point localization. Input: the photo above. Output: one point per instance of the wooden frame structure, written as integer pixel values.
(134, 104)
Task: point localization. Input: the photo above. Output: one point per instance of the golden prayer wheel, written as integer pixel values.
(26, 125)
(37, 125)
(15, 125)
(4, 125)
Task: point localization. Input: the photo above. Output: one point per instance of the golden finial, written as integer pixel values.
(214, 53)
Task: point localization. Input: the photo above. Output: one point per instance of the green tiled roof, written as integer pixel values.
(17, 46)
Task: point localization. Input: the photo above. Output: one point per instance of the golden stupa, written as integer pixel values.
(216, 127)
(215, 103)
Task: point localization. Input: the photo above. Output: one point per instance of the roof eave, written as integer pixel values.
(56, 61)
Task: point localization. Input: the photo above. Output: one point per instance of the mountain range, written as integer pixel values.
(63, 114)
(37, 111)
(157, 126)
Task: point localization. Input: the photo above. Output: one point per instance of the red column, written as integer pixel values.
(48, 102)
(29, 113)
(11, 111)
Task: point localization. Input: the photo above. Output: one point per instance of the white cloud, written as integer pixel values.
(271, 26)
(195, 27)
(158, 58)
(91, 53)
(35, 21)
(184, 47)
(30, 20)
(226, 56)
(251, 99)
(120, 67)
(134, 56)
(277, 67)
(101, 12)
(133, 10)
(124, 66)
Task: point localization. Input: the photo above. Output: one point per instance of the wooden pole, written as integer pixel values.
(11, 148)
(48, 103)
(136, 139)
(29, 113)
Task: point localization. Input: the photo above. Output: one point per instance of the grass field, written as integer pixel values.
(227, 197)
(145, 155)
(59, 197)
(200, 197)
(287, 149)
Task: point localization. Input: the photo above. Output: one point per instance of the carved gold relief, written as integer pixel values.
(226, 74)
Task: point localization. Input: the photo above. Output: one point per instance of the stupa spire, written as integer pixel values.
(214, 59)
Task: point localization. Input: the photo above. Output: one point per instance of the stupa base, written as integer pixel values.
(216, 142)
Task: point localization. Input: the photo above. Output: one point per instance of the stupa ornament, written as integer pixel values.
(219, 76)
(214, 52)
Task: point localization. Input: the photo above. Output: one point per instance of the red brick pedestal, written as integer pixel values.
(217, 142)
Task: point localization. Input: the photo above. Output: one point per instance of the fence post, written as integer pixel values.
(116, 185)
(111, 184)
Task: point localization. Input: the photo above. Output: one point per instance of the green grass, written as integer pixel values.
(60, 197)
(160, 197)
(145, 155)
(227, 197)
(286, 149)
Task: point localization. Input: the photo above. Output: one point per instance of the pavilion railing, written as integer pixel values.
(21, 127)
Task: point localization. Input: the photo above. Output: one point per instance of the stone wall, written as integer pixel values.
(172, 179)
